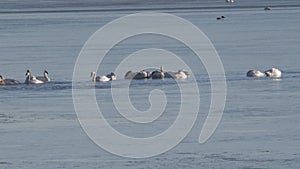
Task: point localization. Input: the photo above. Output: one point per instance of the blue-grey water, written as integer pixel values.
(260, 125)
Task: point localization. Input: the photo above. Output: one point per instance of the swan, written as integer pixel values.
(180, 74)
(273, 72)
(106, 78)
(31, 79)
(158, 74)
(112, 76)
(44, 78)
(267, 8)
(8, 81)
(255, 73)
(229, 1)
(137, 75)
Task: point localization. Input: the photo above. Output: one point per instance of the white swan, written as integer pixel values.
(106, 78)
(273, 72)
(229, 1)
(112, 76)
(180, 74)
(255, 73)
(158, 74)
(44, 78)
(8, 81)
(31, 79)
(137, 75)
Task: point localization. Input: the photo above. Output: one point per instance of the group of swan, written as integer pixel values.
(30, 79)
(273, 72)
(157, 74)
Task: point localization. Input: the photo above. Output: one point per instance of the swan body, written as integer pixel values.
(32, 79)
(106, 78)
(273, 72)
(158, 74)
(255, 73)
(44, 78)
(112, 76)
(180, 74)
(8, 81)
(137, 75)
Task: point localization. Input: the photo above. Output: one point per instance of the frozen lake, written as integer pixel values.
(260, 125)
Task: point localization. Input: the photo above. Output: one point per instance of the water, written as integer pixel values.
(260, 124)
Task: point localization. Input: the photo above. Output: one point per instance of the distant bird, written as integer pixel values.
(106, 78)
(267, 8)
(8, 81)
(44, 78)
(137, 75)
(221, 17)
(158, 74)
(273, 72)
(31, 79)
(255, 73)
(229, 1)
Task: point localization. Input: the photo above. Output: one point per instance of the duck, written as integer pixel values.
(108, 77)
(158, 74)
(4, 81)
(137, 75)
(31, 79)
(255, 73)
(273, 72)
(44, 78)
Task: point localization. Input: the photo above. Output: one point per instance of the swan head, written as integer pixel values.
(162, 69)
(113, 76)
(27, 72)
(46, 72)
(93, 74)
(1, 78)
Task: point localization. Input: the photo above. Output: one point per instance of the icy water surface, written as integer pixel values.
(260, 124)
